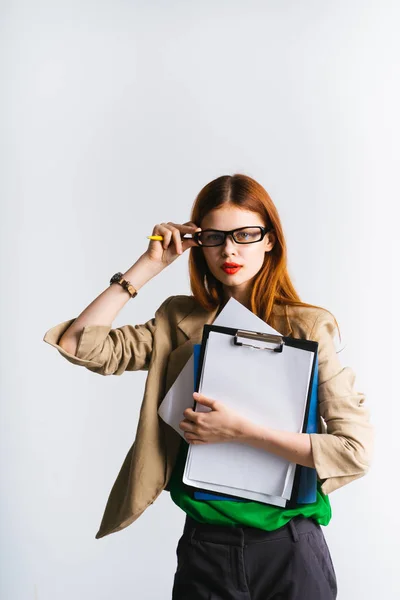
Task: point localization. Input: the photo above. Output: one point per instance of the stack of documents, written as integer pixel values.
(268, 379)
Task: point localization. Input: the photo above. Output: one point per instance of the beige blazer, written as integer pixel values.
(342, 449)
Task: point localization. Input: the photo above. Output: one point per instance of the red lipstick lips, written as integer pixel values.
(231, 268)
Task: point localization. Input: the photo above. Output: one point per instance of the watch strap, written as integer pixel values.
(118, 278)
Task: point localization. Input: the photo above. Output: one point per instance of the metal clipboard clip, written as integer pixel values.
(260, 341)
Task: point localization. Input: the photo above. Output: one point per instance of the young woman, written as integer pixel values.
(228, 549)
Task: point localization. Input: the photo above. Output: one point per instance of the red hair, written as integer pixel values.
(272, 283)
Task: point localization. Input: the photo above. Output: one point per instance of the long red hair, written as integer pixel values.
(272, 283)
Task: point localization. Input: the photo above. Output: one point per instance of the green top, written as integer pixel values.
(251, 514)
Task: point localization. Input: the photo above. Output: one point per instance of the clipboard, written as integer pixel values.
(265, 343)
(308, 476)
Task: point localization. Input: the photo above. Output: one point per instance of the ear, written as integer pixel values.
(269, 240)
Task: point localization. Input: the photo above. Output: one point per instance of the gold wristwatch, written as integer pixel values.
(118, 278)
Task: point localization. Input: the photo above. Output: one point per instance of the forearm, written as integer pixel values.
(294, 447)
(104, 309)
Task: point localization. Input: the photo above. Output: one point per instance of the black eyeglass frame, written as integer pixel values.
(197, 234)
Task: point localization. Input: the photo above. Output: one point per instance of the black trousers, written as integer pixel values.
(216, 562)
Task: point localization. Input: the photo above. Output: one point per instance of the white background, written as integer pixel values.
(114, 115)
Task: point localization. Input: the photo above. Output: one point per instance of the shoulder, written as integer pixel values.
(177, 307)
(306, 320)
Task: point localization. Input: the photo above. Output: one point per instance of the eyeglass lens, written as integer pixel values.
(241, 236)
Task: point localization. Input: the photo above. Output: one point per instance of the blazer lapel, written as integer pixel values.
(192, 324)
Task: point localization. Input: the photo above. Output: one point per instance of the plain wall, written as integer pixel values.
(114, 115)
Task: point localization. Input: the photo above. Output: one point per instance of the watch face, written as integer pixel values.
(115, 278)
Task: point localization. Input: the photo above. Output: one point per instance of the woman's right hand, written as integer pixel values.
(166, 251)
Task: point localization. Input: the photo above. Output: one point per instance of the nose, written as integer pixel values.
(229, 247)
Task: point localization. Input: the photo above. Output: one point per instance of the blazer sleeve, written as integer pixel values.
(108, 351)
(344, 451)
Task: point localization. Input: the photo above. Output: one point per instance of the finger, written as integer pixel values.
(156, 231)
(167, 234)
(191, 437)
(183, 229)
(176, 236)
(160, 229)
(177, 239)
(189, 243)
(188, 227)
(180, 241)
(186, 425)
(190, 414)
(193, 228)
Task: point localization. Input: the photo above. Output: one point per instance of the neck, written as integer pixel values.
(241, 296)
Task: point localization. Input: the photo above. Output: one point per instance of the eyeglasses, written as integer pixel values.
(242, 235)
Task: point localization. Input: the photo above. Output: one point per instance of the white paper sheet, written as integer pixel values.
(268, 388)
(179, 397)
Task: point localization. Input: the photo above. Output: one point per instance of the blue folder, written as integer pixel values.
(308, 477)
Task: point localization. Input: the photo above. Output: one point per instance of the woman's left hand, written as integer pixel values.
(220, 424)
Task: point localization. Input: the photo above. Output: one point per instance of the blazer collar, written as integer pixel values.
(192, 324)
